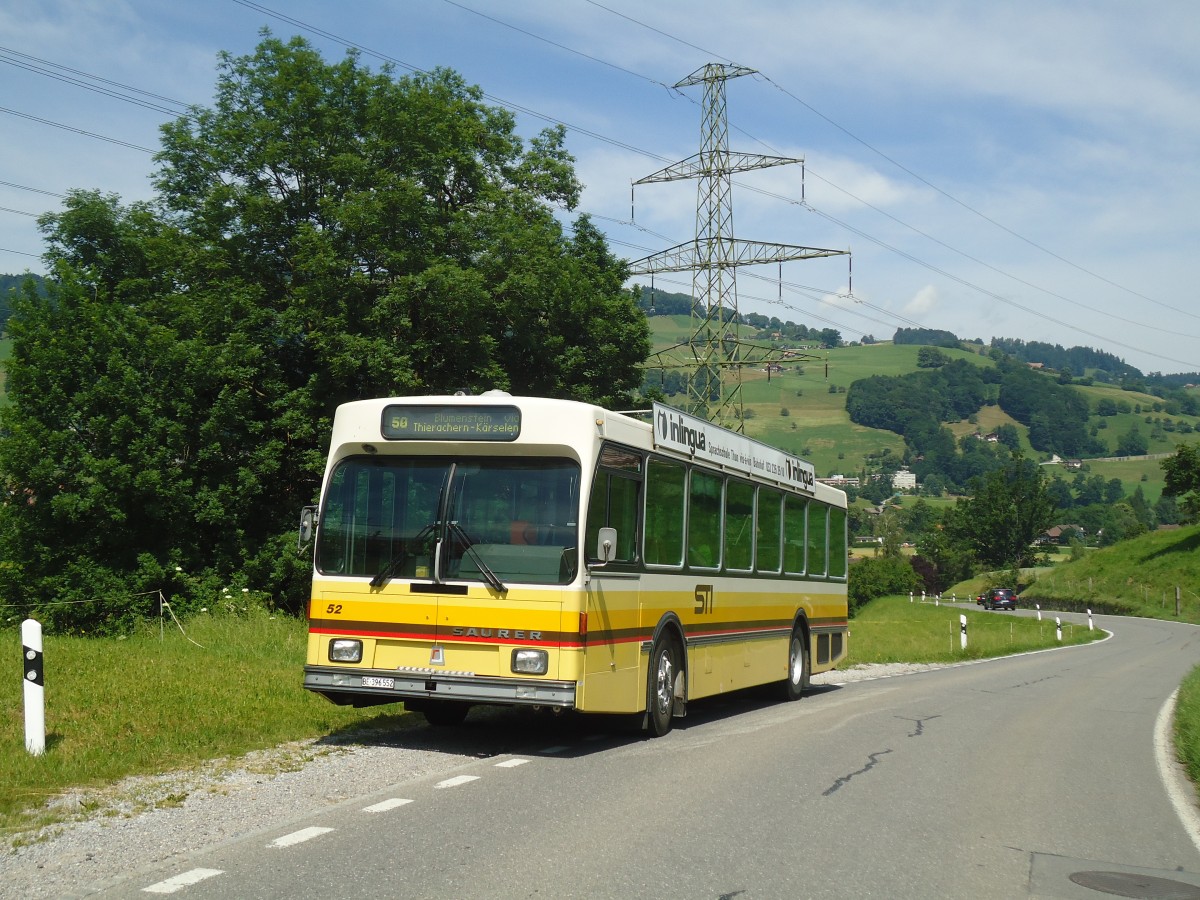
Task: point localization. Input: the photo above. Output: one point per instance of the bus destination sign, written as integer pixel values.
(451, 423)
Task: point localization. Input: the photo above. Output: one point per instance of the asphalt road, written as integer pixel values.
(1032, 776)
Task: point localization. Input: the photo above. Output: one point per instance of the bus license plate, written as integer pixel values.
(373, 681)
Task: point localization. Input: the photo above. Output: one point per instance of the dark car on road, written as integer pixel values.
(1000, 598)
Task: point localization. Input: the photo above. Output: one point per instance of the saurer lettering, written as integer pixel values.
(504, 634)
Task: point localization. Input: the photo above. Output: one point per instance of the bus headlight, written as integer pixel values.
(530, 662)
(345, 650)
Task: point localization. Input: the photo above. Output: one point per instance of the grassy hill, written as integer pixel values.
(803, 409)
(1136, 577)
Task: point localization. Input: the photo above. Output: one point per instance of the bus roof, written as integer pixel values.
(502, 423)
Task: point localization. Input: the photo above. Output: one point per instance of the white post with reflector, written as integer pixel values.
(35, 687)
(962, 624)
(1058, 626)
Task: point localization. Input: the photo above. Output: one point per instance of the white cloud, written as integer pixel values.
(922, 302)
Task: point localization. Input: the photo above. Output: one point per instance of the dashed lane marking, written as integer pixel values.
(456, 781)
(184, 879)
(386, 805)
(299, 837)
(511, 763)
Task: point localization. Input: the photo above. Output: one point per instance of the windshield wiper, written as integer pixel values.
(489, 576)
(407, 550)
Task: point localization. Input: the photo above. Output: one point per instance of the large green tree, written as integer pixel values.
(1183, 480)
(1008, 509)
(321, 233)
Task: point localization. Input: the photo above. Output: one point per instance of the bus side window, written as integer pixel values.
(837, 542)
(739, 525)
(665, 497)
(793, 534)
(614, 505)
(768, 523)
(704, 519)
(818, 530)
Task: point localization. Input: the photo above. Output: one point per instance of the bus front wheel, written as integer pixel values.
(660, 686)
(797, 679)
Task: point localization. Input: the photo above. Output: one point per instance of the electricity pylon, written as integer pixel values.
(714, 354)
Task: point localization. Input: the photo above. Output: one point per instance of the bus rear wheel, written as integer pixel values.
(660, 685)
(797, 679)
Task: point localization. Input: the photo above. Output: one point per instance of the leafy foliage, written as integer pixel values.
(876, 576)
(1183, 480)
(1055, 414)
(1072, 359)
(10, 285)
(1008, 509)
(322, 233)
(931, 337)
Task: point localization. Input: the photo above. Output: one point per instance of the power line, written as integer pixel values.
(908, 171)
(78, 82)
(641, 151)
(960, 203)
(97, 78)
(973, 210)
(20, 252)
(34, 190)
(91, 134)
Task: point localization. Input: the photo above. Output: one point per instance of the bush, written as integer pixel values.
(876, 577)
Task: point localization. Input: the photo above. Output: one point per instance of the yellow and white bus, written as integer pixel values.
(524, 551)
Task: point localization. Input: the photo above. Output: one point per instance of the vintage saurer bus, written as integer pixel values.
(511, 550)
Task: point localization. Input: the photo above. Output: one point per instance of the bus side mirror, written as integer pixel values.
(308, 524)
(606, 545)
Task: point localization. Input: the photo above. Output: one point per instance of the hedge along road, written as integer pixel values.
(1033, 775)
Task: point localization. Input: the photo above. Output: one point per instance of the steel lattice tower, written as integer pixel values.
(714, 354)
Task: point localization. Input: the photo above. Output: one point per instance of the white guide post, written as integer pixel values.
(35, 687)
(962, 625)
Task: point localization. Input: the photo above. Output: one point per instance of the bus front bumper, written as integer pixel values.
(365, 687)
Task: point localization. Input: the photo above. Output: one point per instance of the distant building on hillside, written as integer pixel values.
(839, 481)
(904, 480)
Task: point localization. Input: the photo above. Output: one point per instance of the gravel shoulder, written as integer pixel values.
(152, 819)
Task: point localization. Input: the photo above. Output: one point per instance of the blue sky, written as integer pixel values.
(1020, 169)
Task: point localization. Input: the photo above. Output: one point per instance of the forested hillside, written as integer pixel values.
(951, 415)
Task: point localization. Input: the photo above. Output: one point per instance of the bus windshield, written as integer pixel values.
(497, 520)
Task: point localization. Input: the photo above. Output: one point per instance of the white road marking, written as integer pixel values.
(456, 781)
(386, 805)
(171, 885)
(511, 763)
(299, 837)
(1171, 771)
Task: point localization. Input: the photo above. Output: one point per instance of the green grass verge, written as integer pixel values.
(892, 629)
(147, 704)
(1187, 725)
